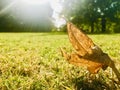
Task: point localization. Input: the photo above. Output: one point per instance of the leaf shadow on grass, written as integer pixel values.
(88, 83)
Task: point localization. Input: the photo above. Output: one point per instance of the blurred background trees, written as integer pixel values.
(93, 16)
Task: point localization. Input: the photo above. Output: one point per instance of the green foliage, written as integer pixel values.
(32, 61)
(91, 12)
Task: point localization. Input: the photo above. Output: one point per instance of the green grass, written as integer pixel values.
(32, 61)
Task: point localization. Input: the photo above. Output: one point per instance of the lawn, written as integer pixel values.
(32, 61)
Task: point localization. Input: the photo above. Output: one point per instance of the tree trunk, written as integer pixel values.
(103, 23)
(92, 27)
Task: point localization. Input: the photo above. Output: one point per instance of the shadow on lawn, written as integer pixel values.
(82, 83)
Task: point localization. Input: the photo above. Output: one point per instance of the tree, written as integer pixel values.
(83, 12)
(108, 10)
(90, 12)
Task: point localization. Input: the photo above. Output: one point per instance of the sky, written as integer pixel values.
(30, 4)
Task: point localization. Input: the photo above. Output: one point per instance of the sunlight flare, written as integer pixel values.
(35, 2)
(34, 11)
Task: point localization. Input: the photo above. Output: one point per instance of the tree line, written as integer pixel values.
(94, 15)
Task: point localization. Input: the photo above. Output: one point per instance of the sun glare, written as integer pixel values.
(35, 2)
(33, 11)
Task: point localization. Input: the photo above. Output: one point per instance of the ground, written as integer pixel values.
(32, 61)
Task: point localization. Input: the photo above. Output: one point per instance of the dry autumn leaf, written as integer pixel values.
(87, 53)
